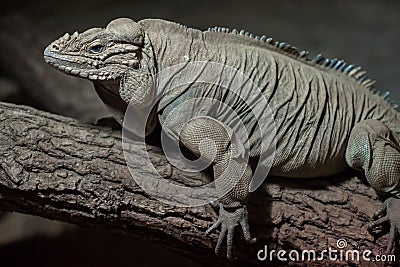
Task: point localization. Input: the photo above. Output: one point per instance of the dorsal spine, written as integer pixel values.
(340, 65)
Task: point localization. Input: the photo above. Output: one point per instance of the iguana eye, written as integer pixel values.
(96, 48)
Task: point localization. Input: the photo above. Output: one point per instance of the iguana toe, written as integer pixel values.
(229, 217)
(391, 208)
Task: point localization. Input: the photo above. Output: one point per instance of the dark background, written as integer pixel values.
(366, 33)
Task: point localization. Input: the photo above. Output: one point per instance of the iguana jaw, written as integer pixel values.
(72, 55)
(78, 66)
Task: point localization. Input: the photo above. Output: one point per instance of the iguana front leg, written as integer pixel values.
(375, 149)
(208, 138)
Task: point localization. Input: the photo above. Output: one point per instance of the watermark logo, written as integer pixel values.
(210, 90)
(340, 253)
(341, 243)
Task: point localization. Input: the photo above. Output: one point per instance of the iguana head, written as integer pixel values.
(114, 56)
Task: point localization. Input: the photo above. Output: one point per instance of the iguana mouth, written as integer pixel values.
(74, 68)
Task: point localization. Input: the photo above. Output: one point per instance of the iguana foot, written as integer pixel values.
(391, 208)
(229, 217)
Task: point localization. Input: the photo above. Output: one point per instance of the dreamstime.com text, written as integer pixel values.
(340, 253)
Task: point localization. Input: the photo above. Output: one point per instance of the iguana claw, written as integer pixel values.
(392, 209)
(229, 217)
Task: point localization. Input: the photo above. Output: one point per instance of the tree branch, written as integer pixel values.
(59, 168)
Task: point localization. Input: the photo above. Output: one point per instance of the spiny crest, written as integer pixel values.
(340, 65)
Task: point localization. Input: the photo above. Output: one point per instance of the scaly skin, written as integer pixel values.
(326, 118)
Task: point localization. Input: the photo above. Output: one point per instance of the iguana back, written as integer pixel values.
(318, 105)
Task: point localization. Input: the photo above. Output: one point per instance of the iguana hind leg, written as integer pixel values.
(375, 149)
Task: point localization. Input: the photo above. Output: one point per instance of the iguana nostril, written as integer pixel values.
(55, 47)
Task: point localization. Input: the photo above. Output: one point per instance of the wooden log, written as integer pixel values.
(59, 168)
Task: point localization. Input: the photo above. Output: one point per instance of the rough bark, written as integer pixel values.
(59, 168)
(21, 58)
